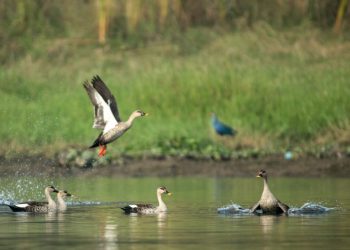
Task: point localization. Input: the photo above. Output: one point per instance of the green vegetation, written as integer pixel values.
(281, 78)
(280, 90)
(136, 23)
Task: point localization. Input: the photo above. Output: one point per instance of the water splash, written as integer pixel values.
(22, 188)
(4, 199)
(95, 203)
(309, 208)
(233, 209)
(84, 203)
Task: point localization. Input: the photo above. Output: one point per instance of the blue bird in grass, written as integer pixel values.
(221, 128)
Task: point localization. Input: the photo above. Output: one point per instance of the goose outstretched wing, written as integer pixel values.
(283, 207)
(106, 111)
(107, 96)
(255, 207)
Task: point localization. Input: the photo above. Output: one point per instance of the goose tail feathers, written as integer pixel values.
(97, 142)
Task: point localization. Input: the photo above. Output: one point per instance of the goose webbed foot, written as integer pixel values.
(103, 150)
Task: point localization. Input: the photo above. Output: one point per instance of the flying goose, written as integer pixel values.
(268, 203)
(221, 128)
(37, 206)
(61, 195)
(106, 114)
(148, 208)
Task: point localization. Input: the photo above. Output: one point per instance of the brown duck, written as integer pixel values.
(37, 206)
(107, 114)
(268, 203)
(61, 195)
(148, 208)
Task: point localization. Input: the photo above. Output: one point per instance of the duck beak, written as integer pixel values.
(55, 191)
(168, 193)
(259, 175)
(145, 114)
(68, 194)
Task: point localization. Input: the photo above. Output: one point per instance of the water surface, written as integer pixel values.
(94, 221)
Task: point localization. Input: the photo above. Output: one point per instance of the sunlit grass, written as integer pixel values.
(278, 89)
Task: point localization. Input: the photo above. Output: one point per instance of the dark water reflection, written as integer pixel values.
(94, 220)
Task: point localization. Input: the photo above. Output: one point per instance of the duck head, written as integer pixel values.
(51, 189)
(163, 190)
(138, 113)
(63, 193)
(262, 173)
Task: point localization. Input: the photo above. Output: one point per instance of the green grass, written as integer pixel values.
(278, 89)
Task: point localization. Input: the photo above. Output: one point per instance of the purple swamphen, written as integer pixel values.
(221, 128)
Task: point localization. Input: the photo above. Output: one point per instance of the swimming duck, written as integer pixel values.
(37, 206)
(268, 203)
(61, 195)
(221, 128)
(107, 114)
(148, 208)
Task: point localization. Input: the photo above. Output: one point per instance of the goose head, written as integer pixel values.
(138, 113)
(262, 173)
(163, 190)
(63, 194)
(51, 189)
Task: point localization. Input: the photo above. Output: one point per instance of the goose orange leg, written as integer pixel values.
(103, 150)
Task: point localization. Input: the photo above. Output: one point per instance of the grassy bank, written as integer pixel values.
(280, 90)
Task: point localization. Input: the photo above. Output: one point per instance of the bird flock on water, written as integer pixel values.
(107, 119)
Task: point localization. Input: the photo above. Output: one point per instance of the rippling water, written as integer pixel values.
(319, 217)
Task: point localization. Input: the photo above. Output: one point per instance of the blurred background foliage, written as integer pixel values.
(134, 23)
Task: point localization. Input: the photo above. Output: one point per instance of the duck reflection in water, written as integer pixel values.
(267, 222)
(161, 224)
(110, 234)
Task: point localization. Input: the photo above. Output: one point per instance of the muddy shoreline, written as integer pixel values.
(172, 166)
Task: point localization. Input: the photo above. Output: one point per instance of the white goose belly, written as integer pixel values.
(115, 132)
(268, 203)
